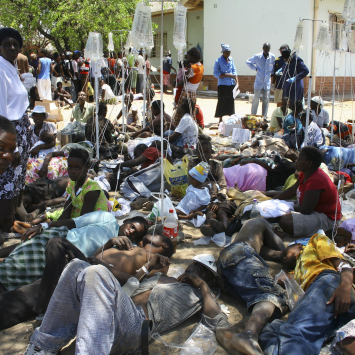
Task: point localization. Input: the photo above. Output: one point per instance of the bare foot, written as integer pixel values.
(148, 206)
(246, 343)
(225, 336)
(281, 233)
(138, 203)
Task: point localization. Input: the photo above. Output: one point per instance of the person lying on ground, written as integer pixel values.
(131, 116)
(45, 137)
(39, 116)
(164, 300)
(186, 133)
(326, 278)
(245, 274)
(155, 126)
(346, 184)
(61, 96)
(253, 125)
(197, 197)
(318, 202)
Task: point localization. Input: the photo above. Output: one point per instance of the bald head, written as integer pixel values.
(266, 48)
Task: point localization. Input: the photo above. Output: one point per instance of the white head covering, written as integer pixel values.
(40, 109)
(318, 100)
(225, 47)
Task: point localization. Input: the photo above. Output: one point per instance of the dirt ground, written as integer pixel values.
(13, 341)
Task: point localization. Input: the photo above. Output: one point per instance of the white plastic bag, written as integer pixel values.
(157, 212)
(293, 290)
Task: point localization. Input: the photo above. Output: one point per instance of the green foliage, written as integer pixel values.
(67, 23)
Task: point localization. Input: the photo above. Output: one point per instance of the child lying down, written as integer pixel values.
(197, 197)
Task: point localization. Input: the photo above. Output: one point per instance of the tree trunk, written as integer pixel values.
(52, 38)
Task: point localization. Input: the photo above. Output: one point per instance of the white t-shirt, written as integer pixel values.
(322, 119)
(189, 131)
(108, 92)
(140, 65)
(314, 135)
(43, 152)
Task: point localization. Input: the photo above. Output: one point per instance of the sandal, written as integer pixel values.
(217, 226)
(207, 231)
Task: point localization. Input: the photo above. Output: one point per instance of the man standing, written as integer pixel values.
(69, 74)
(263, 64)
(22, 64)
(140, 74)
(167, 66)
(44, 81)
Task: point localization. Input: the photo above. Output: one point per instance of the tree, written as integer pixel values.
(67, 23)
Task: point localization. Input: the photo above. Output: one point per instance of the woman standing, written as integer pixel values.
(13, 105)
(224, 70)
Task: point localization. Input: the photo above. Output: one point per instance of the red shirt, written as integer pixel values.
(346, 176)
(328, 199)
(111, 65)
(199, 117)
(152, 154)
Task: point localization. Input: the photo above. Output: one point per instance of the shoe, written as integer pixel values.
(32, 350)
(207, 231)
(217, 226)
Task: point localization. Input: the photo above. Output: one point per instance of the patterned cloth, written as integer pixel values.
(47, 126)
(166, 79)
(12, 182)
(222, 67)
(57, 168)
(78, 199)
(347, 331)
(314, 259)
(185, 95)
(26, 262)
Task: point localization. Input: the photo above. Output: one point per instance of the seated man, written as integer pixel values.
(328, 301)
(319, 206)
(278, 116)
(107, 95)
(61, 96)
(321, 116)
(83, 110)
(131, 115)
(245, 274)
(117, 327)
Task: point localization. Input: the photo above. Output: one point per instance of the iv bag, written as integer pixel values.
(142, 33)
(298, 38)
(94, 47)
(110, 46)
(179, 37)
(128, 44)
(349, 11)
(323, 38)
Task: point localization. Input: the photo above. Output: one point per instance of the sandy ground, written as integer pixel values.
(13, 341)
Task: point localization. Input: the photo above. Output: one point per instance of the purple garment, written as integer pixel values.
(349, 225)
(248, 177)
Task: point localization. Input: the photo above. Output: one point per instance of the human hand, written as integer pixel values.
(122, 243)
(221, 196)
(195, 214)
(350, 248)
(43, 171)
(213, 207)
(191, 279)
(17, 159)
(31, 232)
(34, 152)
(341, 298)
(291, 80)
(157, 262)
(279, 72)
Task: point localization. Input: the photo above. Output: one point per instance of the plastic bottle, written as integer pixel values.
(217, 137)
(130, 286)
(255, 213)
(171, 228)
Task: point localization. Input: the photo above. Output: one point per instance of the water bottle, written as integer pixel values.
(255, 213)
(171, 228)
(130, 286)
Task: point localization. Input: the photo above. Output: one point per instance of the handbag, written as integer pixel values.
(236, 224)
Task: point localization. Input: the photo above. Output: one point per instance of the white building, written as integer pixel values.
(246, 25)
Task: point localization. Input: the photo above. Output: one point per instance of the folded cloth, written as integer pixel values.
(273, 208)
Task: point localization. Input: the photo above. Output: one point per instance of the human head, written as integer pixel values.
(82, 97)
(69, 55)
(62, 55)
(102, 110)
(310, 159)
(316, 103)
(33, 56)
(7, 143)
(341, 238)
(39, 115)
(75, 55)
(184, 107)
(263, 125)
(297, 108)
(134, 228)
(193, 55)
(119, 55)
(140, 52)
(168, 53)
(156, 107)
(266, 48)
(78, 164)
(46, 136)
(284, 46)
(291, 154)
(204, 150)
(42, 53)
(285, 51)
(204, 266)
(59, 85)
(10, 43)
(128, 98)
(284, 103)
(199, 173)
(102, 82)
(226, 50)
(139, 150)
(105, 54)
(57, 58)
(303, 118)
(291, 254)
(158, 244)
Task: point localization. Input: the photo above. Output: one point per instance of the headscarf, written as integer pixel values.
(12, 33)
(318, 100)
(225, 47)
(200, 171)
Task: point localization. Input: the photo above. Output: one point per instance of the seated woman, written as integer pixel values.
(292, 119)
(319, 206)
(132, 115)
(107, 96)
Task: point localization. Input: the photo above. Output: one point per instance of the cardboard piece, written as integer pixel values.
(56, 117)
(227, 129)
(240, 135)
(49, 106)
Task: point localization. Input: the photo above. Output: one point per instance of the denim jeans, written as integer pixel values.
(310, 322)
(90, 304)
(179, 142)
(255, 104)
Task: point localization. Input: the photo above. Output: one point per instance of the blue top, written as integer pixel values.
(167, 64)
(45, 69)
(289, 121)
(264, 67)
(222, 67)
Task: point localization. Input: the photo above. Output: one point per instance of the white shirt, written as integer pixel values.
(43, 152)
(322, 118)
(314, 135)
(189, 131)
(264, 67)
(13, 94)
(140, 65)
(108, 92)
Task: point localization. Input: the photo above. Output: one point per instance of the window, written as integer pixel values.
(338, 35)
(157, 39)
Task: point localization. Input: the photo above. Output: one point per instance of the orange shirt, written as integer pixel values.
(198, 71)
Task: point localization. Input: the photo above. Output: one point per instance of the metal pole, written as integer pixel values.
(144, 87)
(97, 107)
(333, 103)
(162, 108)
(123, 89)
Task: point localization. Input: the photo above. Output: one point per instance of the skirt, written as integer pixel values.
(12, 182)
(185, 95)
(225, 104)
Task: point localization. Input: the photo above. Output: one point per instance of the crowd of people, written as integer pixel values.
(72, 263)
